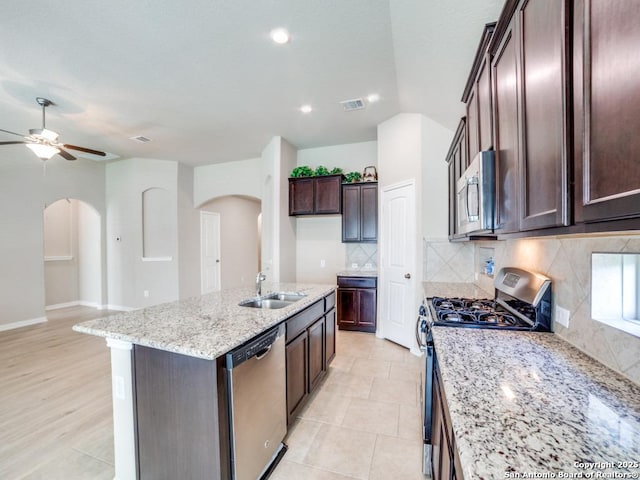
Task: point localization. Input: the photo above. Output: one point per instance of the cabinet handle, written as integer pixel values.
(407, 275)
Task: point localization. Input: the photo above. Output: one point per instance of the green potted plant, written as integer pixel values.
(353, 177)
(302, 171)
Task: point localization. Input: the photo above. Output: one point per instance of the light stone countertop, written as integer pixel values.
(206, 326)
(447, 289)
(357, 273)
(530, 403)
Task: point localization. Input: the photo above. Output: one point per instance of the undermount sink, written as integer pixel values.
(273, 301)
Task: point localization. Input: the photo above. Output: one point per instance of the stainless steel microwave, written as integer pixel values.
(475, 195)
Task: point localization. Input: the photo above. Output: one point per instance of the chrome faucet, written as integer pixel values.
(259, 279)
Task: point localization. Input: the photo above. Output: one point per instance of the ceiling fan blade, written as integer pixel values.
(85, 150)
(12, 133)
(11, 143)
(66, 155)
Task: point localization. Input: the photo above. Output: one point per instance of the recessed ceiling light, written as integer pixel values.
(373, 98)
(306, 109)
(280, 36)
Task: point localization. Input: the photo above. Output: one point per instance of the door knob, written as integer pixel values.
(407, 275)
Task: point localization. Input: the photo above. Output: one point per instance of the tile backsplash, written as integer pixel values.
(363, 254)
(567, 261)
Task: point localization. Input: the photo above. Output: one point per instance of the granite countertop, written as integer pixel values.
(445, 289)
(530, 403)
(206, 326)
(357, 273)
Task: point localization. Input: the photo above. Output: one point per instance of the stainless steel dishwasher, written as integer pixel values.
(257, 405)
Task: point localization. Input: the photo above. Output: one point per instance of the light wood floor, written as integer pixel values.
(56, 420)
(55, 401)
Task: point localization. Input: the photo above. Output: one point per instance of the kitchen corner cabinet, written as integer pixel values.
(315, 195)
(606, 115)
(310, 347)
(357, 303)
(444, 454)
(360, 212)
(457, 163)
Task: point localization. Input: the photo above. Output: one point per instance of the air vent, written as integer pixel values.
(141, 139)
(355, 104)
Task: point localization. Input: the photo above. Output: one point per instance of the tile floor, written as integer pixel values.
(55, 421)
(364, 420)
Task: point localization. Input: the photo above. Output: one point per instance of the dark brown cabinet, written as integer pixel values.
(606, 115)
(357, 303)
(444, 454)
(477, 97)
(360, 213)
(457, 160)
(315, 195)
(310, 347)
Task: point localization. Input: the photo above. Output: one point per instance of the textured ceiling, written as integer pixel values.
(203, 80)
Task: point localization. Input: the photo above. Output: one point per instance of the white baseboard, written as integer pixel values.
(75, 303)
(23, 323)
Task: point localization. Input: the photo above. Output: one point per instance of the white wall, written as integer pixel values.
(188, 235)
(243, 177)
(89, 256)
(239, 239)
(129, 275)
(25, 189)
(320, 237)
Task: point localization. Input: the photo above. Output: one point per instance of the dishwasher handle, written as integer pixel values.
(263, 353)
(257, 347)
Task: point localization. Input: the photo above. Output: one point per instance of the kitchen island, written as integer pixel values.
(166, 363)
(530, 405)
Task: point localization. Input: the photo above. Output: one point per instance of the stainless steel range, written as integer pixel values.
(522, 302)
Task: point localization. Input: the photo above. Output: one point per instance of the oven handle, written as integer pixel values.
(420, 340)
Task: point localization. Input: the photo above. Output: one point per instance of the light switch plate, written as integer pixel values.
(562, 316)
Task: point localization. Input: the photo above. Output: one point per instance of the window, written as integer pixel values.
(615, 290)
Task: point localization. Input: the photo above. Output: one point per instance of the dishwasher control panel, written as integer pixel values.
(252, 348)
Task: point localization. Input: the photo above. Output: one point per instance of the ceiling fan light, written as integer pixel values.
(44, 152)
(44, 134)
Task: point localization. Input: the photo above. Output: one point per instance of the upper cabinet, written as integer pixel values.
(315, 195)
(562, 115)
(606, 115)
(477, 97)
(532, 135)
(457, 160)
(360, 212)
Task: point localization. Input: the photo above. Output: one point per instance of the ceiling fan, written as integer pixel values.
(44, 143)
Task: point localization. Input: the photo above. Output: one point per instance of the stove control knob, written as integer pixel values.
(407, 275)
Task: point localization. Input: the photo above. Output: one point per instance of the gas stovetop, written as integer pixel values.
(473, 312)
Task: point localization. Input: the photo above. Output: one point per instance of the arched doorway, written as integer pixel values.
(239, 239)
(72, 254)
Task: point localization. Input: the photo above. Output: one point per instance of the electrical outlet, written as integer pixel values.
(323, 263)
(146, 293)
(562, 316)
(368, 266)
(118, 387)
(354, 265)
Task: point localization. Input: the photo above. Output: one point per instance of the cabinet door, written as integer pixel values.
(543, 116)
(348, 307)
(317, 364)
(297, 374)
(472, 123)
(350, 213)
(506, 141)
(607, 117)
(367, 309)
(330, 336)
(301, 196)
(369, 213)
(327, 194)
(485, 115)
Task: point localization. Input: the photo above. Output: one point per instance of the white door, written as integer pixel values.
(210, 251)
(398, 258)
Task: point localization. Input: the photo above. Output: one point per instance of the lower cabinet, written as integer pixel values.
(444, 454)
(309, 350)
(357, 303)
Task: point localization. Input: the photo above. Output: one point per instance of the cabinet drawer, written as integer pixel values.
(358, 282)
(300, 321)
(329, 301)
